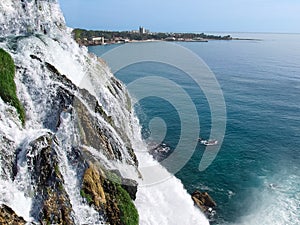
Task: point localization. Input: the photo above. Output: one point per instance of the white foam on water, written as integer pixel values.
(277, 203)
(161, 197)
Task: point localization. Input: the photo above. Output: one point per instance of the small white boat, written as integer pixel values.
(208, 142)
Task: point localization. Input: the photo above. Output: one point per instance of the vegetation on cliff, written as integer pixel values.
(129, 214)
(7, 84)
(102, 190)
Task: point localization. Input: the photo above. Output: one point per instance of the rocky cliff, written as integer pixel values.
(63, 159)
(70, 145)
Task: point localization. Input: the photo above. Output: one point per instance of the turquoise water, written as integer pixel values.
(255, 178)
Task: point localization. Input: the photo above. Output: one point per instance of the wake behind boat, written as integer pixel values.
(208, 142)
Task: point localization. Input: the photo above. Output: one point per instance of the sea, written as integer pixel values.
(255, 176)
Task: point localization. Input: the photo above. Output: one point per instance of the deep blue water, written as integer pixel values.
(255, 178)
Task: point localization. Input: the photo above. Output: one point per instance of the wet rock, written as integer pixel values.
(51, 203)
(203, 201)
(133, 156)
(35, 57)
(131, 187)
(9, 217)
(95, 134)
(159, 151)
(60, 78)
(60, 98)
(79, 161)
(59, 101)
(95, 106)
(8, 158)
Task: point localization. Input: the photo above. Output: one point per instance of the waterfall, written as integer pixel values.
(58, 82)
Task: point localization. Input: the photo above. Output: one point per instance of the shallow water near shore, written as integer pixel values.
(255, 178)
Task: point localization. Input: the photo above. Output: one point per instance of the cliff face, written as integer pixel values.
(69, 162)
(74, 159)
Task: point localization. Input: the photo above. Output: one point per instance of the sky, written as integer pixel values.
(279, 16)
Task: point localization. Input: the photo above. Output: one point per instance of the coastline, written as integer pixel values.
(96, 37)
(155, 40)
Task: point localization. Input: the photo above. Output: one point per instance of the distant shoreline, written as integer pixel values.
(90, 38)
(152, 40)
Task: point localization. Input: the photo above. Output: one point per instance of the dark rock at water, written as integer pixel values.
(133, 156)
(35, 57)
(9, 217)
(159, 151)
(130, 186)
(204, 201)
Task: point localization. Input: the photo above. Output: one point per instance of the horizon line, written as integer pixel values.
(196, 32)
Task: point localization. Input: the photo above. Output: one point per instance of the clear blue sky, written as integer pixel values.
(185, 15)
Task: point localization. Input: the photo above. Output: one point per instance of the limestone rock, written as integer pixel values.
(102, 189)
(9, 217)
(92, 188)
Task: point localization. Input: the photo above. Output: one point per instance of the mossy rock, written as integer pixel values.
(7, 83)
(129, 214)
(102, 189)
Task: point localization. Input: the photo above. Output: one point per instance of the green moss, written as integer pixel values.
(56, 169)
(129, 214)
(114, 178)
(7, 84)
(86, 196)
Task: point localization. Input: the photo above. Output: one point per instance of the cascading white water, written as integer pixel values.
(163, 203)
(12, 192)
(84, 213)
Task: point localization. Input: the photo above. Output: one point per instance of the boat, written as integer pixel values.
(208, 142)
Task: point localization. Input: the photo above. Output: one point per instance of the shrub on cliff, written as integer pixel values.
(129, 214)
(7, 84)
